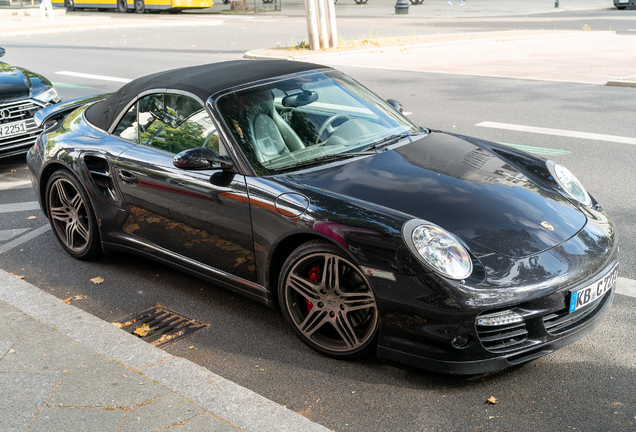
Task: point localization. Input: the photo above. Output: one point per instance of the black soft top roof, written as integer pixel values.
(203, 81)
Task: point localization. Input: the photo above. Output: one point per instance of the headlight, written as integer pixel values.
(48, 96)
(439, 250)
(569, 183)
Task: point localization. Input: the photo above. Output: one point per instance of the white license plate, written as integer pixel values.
(623, 1)
(10, 129)
(593, 292)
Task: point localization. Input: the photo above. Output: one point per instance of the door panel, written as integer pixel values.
(203, 215)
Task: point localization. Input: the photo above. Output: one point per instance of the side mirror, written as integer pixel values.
(396, 105)
(201, 159)
(1, 52)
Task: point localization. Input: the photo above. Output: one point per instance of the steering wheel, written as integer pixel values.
(326, 126)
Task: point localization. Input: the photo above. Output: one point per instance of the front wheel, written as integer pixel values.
(69, 5)
(328, 301)
(71, 216)
(122, 6)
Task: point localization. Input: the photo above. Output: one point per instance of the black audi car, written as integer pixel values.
(22, 93)
(294, 185)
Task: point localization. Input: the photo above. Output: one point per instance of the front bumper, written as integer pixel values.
(421, 316)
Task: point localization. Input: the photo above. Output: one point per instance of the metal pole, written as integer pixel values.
(322, 23)
(312, 24)
(402, 7)
(333, 28)
(556, 3)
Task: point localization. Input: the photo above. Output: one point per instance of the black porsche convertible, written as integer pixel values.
(22, 93)
(294, 185)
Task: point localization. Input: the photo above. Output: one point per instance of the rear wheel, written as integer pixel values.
(71, 216)
(328, 301)
(69, 5)
(140, 6)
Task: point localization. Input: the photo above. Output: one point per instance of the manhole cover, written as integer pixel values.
(159, 326)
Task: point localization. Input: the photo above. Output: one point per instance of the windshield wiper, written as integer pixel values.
(390, 140)
(327, 158)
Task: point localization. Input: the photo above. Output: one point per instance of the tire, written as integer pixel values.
(69, 5)
(336, 315)
(122, 6)
(621, 7)
(140, 6)
(71, 216)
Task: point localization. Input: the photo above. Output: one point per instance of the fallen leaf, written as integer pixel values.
(68, 300)
(12, 351)
(191, 347)
(12, 171)
(118, 325)
(78, 297)
(153, 220)
(97, 280)
(19, 277)
(142, 330)
(43, 355)
(492, 400)
(32, 217)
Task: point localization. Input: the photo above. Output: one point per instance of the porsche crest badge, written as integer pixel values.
(547, 226)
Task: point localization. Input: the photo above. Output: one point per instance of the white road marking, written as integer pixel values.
(10, 233)
(257, 20)
(25, 238)
(16, 207)
(559, 132)
(626, 287)
(96, 77)
(22, 184)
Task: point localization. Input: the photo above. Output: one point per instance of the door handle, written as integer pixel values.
(129, 178)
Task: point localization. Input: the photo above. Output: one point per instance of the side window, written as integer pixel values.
(127, 127)
(173, 123)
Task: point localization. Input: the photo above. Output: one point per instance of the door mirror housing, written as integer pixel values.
(201, 159)
(396, 105)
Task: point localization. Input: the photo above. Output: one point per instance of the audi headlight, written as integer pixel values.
(569, 183)
(48, 96)
(439, 250)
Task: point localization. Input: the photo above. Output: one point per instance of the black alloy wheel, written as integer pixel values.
(140, 6)
(69, 5)
(71, 216)
(328, 301)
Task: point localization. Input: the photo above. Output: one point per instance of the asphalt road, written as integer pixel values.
(586, 386)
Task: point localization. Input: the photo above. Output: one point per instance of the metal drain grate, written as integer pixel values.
(159, 326)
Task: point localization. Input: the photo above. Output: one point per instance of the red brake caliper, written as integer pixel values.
(314, 276)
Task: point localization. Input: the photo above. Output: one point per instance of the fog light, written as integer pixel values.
(460, 341)
(499, 318)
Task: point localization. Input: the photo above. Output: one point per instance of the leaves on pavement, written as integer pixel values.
(32, 217)
(68, 300)
(97, 280)
(142, 330)
(492, 400)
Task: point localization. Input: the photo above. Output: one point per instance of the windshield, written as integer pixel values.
(289, 122)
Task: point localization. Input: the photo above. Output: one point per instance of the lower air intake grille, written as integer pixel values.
(561, 321)
(502, 338)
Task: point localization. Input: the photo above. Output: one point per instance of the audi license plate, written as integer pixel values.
(595, 291)
(10, 129)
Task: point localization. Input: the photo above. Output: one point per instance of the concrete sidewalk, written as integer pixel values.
(62, 369)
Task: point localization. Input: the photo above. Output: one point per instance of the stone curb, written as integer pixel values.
(237, 405)
(251, 54)
(621, 83)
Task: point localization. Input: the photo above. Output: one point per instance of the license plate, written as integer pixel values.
(623, 1)
(593, 292)
(10, 129)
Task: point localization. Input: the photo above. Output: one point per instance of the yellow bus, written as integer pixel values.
(139, 6)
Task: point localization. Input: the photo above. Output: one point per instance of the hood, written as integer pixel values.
(460, 187)
(17, 83)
